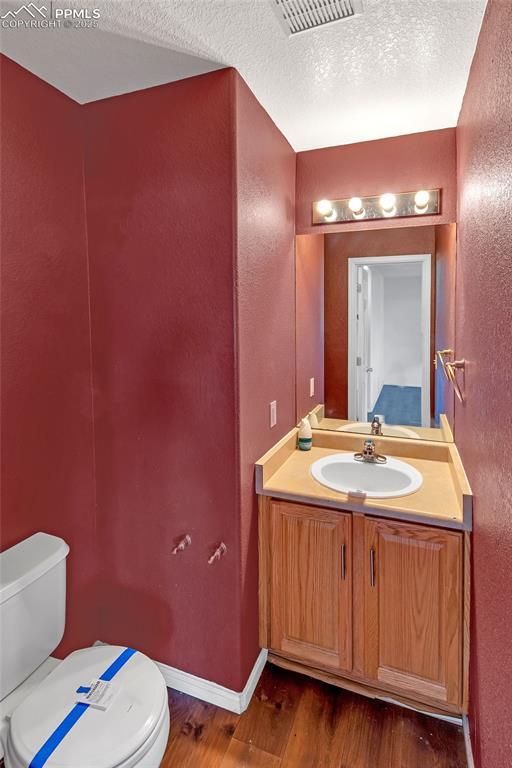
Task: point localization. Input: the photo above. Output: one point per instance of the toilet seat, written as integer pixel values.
(119, 737)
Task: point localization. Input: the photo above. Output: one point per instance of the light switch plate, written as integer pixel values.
(273, 413)
(312, 387)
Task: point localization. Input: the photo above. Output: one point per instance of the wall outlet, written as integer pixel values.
(273, 413)
(312, 387)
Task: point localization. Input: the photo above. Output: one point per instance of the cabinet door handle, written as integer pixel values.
(372, 567)
(343, 563)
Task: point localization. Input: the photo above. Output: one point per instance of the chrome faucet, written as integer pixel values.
(369, 454)
(376, 426)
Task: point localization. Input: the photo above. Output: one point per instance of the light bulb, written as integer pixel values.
(421, 199)
(387, 202)
(355, 204)
(324, 207)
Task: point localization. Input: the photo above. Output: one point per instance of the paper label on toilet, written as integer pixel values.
(97, 693)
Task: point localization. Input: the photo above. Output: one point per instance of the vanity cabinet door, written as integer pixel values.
(413, 609)
(311, 584)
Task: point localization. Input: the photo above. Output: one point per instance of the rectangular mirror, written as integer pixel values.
(374, 308)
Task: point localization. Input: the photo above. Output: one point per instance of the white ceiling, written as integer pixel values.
(400, 68)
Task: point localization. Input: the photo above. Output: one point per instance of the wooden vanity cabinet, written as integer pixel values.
(413, 609)
(311, 578)
(364, 601)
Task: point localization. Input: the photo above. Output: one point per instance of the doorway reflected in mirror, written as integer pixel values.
(389, 317)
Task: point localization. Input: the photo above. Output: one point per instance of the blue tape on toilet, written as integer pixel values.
(117, 664)
(76, 713)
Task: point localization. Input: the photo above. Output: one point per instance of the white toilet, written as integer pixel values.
(41, 724)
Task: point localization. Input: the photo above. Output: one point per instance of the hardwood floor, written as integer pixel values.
(295, 722)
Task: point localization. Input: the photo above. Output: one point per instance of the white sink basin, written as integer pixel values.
(341, 472)
(365, 428)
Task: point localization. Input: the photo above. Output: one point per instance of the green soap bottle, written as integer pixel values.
(305, 435)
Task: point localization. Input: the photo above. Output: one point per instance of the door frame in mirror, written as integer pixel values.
(426, 311)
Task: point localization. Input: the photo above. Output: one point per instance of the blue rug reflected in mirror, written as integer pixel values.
(399, 405)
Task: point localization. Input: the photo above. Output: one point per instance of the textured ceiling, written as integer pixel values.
(401, 67)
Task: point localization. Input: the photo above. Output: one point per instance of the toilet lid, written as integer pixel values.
(98, 739)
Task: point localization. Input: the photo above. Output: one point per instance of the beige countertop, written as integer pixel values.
(444, 498)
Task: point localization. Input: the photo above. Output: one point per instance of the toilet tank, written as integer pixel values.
(32, 606)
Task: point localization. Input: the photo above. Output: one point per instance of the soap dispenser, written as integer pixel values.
(305, 435)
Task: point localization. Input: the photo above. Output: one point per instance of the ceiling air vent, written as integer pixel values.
(303, 15)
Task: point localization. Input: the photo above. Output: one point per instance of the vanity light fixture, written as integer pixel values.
(424, 202)
(387, 202)
(356, 206)
(324, 207)
(421, 199)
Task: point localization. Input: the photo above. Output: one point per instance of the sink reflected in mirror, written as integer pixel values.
(365, 428)
(343, 473)
(443, 433)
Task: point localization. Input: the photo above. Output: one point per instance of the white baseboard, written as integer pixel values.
(467, 741)
(456, 720)
(213, 693)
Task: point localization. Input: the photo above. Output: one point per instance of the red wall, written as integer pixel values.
(405, 163)
(47, 436)
(309, 292)
(190, 191)
(189, 334)
(160, 187)
(265, 319)
(339, 248)
(483, 323)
